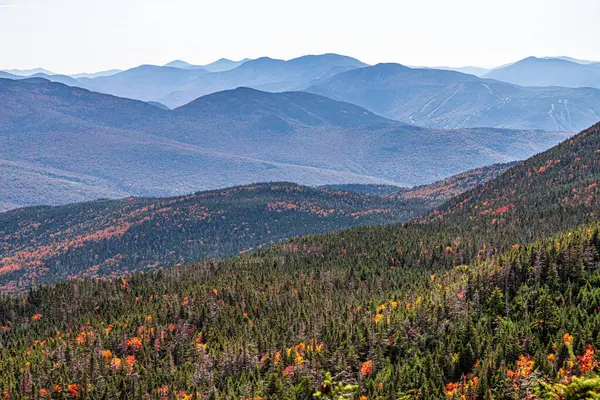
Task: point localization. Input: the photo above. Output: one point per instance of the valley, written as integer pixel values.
(225, 139)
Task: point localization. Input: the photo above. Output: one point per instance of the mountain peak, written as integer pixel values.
(292, 107)
(178, 64)
(548, 71)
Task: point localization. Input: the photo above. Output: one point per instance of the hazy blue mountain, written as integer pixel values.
(159, 105)
(534, 71)
(477, 71)
(449, 99)
(29, 72)
(92, 75)
(180, 64)
(236, 137)
(64, 79)
(220, 65)
(179, 82)
(265, 74)
(308, 109)
(224, 64)
(146, 82)
(6, 75)
(571, 59)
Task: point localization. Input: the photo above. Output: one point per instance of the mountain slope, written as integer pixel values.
(214, 142)
(110, 238)
(446, 189)
(448, 99)
(534, 71)
(552, 191)
(304, 108)
(427, 310)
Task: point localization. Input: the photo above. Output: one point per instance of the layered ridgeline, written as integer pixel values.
(178, 82)
(449, 99)
(127, 147)
(111, 238)
(433, 97)
(458, 307)
(220, 65)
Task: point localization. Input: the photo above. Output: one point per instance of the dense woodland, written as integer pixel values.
(494, 295)
(109, 238)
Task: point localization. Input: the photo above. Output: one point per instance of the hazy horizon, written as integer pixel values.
(77, 36)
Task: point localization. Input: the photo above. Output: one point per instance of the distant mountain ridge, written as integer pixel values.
(146, 82)
(98, 74)
(449, 99)
(266, 74)
(575, 60)
(130, 147)
(222, 64)
(310, 110)
(533, 71)
(437, 98)
(29, 72)
(179, 82)
(477, 71)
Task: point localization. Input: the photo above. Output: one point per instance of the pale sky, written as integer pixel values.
(71, 36)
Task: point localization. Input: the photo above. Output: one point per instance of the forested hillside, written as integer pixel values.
(108, 238)
(554, 190)
(490, 297)
(415, 326)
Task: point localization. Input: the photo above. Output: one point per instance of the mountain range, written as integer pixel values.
(264, 74)
(535, 93)
(28, 72)
(62, 144)
(92, 75)
(449, 99)
(220, 65)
